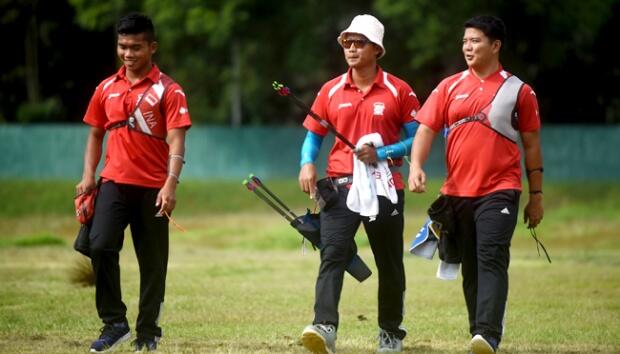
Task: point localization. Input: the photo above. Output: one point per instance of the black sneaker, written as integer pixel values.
(111, 336)
(141, 344)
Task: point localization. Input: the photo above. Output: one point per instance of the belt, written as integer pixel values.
(341, 181)
(346, 180)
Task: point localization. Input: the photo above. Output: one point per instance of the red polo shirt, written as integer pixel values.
(384, 108)
(479, 160)
(132, 157)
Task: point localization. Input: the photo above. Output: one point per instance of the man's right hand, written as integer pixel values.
(417, 180)
(307, 179)
(85, 185)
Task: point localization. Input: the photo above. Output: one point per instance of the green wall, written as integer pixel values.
(214, 152)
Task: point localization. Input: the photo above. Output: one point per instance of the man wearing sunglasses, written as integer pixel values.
(485, 111)
(362, 101)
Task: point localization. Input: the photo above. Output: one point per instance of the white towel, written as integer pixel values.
(448, 271)
(369, 182)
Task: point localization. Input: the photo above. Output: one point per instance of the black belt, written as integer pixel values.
(341, 181)
(346, 180)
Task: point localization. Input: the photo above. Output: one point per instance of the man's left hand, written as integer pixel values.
(367, 154)
(533, 212)
(166, 198)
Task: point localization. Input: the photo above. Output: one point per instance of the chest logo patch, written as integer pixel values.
(378, 108)
(461, 97)
(344, 105)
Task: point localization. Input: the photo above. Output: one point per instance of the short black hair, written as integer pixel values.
(492, 27)
(136, 23)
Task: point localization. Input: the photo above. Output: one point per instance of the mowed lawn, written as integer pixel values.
(240, 282)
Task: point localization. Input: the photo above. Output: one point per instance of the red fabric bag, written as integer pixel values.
(85, 206)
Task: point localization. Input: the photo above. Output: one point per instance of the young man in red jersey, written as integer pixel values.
(484, 111)
(365, 101)
(145, 115)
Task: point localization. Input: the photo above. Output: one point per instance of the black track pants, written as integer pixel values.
(117, 206)
(485, 226)
(385, 234)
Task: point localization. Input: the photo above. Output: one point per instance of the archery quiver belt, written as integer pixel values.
(326, 193)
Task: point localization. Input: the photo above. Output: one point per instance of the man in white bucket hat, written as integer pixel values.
(364, 101)
(369, 27)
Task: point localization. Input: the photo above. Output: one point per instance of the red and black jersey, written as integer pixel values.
(133, 157)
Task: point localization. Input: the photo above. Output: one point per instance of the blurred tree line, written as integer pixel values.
(227, 53)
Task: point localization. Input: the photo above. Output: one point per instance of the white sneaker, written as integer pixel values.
(319, 338)
(388, 343)
(479, 345)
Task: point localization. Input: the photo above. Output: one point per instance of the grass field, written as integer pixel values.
(238, 282)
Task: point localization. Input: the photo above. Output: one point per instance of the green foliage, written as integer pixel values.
(200, 42)
(97, 15)
(47, 110)
(225, 52)
(545, 40)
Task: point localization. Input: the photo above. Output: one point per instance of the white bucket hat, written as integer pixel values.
(368, 26)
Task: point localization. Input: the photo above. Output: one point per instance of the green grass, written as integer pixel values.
(32, 241)
(238, 282)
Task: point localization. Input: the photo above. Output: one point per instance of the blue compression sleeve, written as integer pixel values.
(310, 148)
(401, 148)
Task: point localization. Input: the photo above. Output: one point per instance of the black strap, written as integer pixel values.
(474, 118)
(126, 121)
(118, 125)
(533, 233)
(481, 115)
(536, 169)
(341, 181)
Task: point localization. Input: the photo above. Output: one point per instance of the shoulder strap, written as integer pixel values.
(502, 109)
(130, 120)
(499, 112)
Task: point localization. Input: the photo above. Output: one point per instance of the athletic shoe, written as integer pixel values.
(389, 343)
(111, 336)
(480, 345)
(319, 338)
(140, 344)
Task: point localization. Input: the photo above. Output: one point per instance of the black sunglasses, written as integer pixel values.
(359, 43)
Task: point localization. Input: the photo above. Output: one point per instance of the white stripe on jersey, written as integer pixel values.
(142, 123)
(105, 86)
(463, 75)
(340, 83)
(158, 88)
(389, 84)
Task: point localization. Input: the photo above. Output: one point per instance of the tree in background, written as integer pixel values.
(227, 53)
(561, 48)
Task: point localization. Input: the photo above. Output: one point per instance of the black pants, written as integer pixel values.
(338, 228)
(117, 206)
(484, 227)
